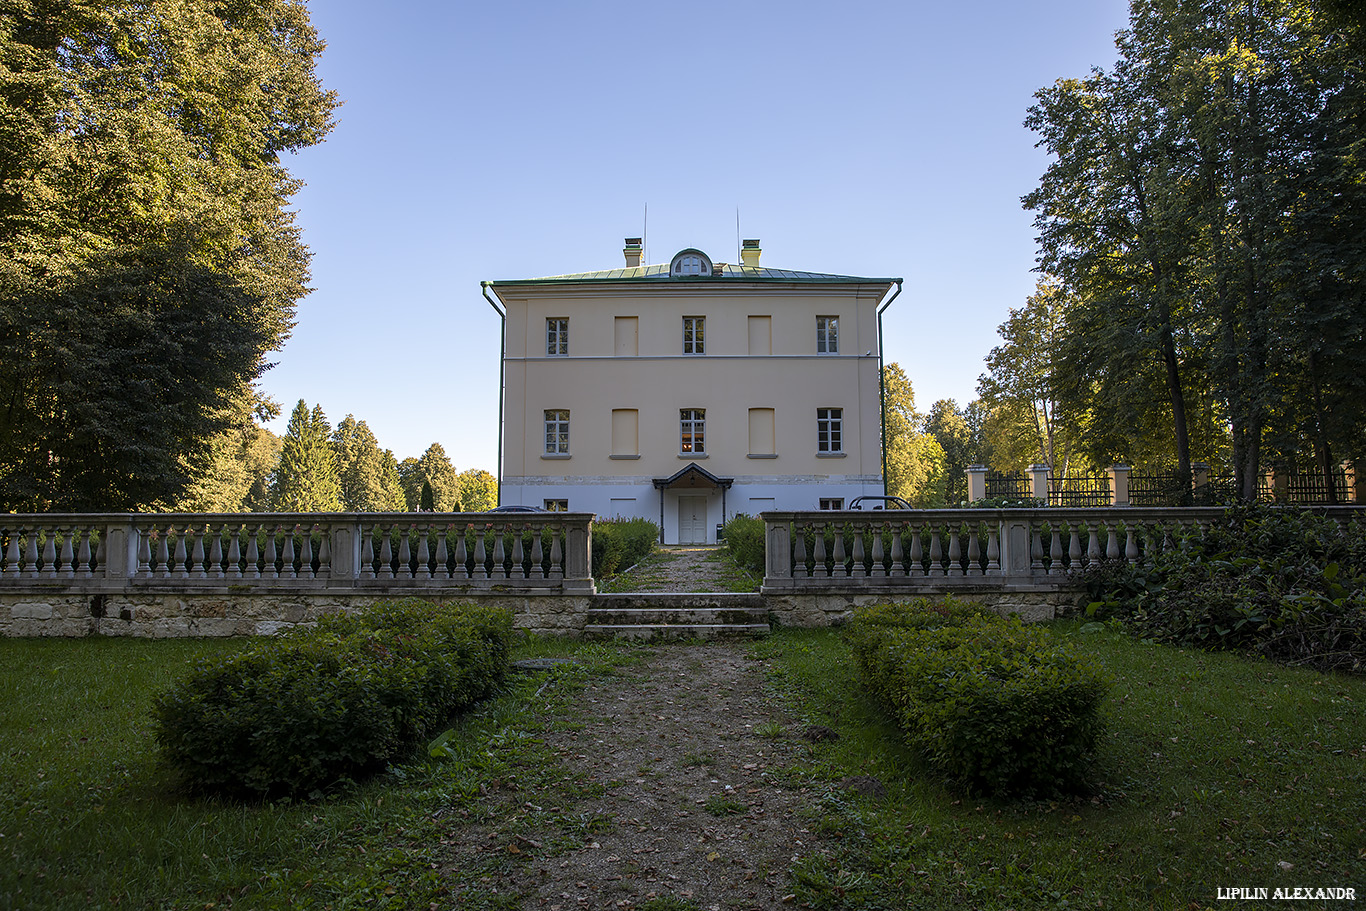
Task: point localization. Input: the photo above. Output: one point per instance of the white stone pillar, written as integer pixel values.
(977, 482)
(1038, 482)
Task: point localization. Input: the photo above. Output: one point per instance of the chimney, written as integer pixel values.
(749, 253)
(632, 252)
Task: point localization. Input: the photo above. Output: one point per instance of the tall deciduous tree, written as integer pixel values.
(959, 434)
(434, 469)
(306, 479)
(915, 461)
(478, 490)
(148, 258)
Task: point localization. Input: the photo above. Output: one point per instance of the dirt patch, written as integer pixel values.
(695, 806)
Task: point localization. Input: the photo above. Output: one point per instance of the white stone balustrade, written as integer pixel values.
(406, 553)
(943, 550)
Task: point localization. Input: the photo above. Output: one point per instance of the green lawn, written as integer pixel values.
(1216, 771)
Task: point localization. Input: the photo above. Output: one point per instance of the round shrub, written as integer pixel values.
(295, 714)
(745, 539)
(996, 706)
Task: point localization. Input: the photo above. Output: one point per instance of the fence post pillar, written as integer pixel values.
(578, 553)
(344, 543)
(120, 551)
(1015, 556)
(777, 549)
(1038, 482)
(1354, 486)
(977, 482)
(1278, 481)
(1119, 485)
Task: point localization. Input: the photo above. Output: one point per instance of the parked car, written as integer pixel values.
(879, 503)
(516, 509)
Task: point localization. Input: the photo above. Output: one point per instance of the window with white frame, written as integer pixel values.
(557, 336)
(829, 430)
(557, 432)
(692, 424)
(694, 334)
(827, 335)
(556, 505)
(832, 502)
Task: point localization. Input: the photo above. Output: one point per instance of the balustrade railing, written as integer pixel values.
(467, 551)
(940, 549)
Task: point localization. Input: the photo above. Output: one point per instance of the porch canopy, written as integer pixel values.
(691, 477)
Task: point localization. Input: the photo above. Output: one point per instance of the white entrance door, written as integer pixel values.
(692, 520)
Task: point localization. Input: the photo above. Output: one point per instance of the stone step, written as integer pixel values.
(668, 615)
(674, 630)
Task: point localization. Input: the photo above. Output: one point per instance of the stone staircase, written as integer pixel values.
(676, 615)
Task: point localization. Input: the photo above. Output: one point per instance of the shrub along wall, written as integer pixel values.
(295, 714)
(996, 707)
(745, 539)
(619, 544)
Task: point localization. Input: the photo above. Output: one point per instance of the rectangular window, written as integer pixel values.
(827, 335)
(761, 437)
(627, 336)
(760, 335)
(625, 432)
(694, 334)
(557, 432)
(556, 505)
(692, 427)
(557, 336)
(832, 502)
(829, 430)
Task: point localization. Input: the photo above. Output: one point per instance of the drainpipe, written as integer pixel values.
(502, 380)
(882, 381)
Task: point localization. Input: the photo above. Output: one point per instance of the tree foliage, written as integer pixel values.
(148, 260)
(915, 461)
(1206, 205)
(434, 469)
(368, 475)
(306, 479)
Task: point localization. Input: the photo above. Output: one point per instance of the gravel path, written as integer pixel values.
(688, 751)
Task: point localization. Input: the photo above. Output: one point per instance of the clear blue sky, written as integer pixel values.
(518, 139)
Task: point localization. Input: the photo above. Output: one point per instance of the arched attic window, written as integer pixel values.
(690, 263)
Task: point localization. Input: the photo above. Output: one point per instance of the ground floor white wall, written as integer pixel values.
(637, 497)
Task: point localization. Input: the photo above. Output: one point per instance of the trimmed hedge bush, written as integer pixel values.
(619, 544)
(997, 707)
(297, 713)
(745, 539)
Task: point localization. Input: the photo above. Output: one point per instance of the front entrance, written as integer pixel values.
(692, 520)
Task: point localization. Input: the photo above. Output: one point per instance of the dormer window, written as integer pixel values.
(690, 264)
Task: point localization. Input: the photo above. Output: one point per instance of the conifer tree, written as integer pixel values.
(367, 474)
(306, 480)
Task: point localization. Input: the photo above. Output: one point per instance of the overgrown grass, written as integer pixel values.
(87, 820)
(1215, 771)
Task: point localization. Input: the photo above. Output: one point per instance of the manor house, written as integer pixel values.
(689, 391)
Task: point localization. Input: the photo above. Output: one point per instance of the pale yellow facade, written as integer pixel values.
(615, 382)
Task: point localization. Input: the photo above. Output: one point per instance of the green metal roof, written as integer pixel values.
(720, 272)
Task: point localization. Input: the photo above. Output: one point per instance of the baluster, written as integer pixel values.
(799, 550)
(270, 568)
(994, 548)
(234, 551)
(198, 555)
(306, 553)
(840, 567)
(215, 567)
(518, 552)
(424, 554)
(69, 555)
(858, 570)
(443, 556)
(287, 553)
(500, 570)
(253, 567)
(1073, 548)
(937, 567)
(163, 557)
(404, 568)
(461, 554)
(144, 552)
(955, 564)
(31, 554)
(1055, 566)
(1035, 549)
(556, 553)
(820, 569)
(50, 555)
(324, 570)
(974, 549)
(84, 554)
(180, 563)
(1111, 542)
(537, 554)
(481, 570)
(386, 552)
(879, 569)
(898, 568)
(1092, 545)
(367, 552)
(916, 566)
(1130, 545)
(10, 563)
